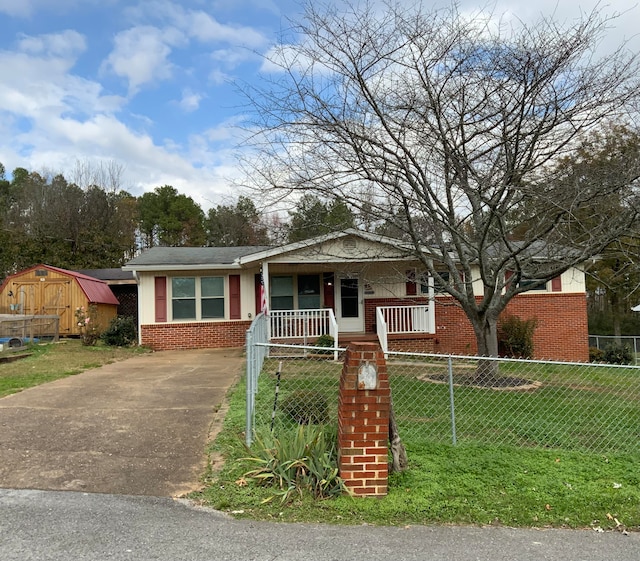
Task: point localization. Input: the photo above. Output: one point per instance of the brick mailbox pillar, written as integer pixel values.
(363, 420)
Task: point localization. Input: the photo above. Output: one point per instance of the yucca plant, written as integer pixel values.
(299, 461)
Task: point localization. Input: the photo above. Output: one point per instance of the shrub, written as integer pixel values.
(305, 460)
(86, 320)
(306, 407)
(325, 340)
(596, 354)
(515, 337)
(618, 354)
(120, 333)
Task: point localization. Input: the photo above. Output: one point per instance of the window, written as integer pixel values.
(282, 293)
(438, 286)
(187, 292)
(533, 284)
(308, 292)
(212, 301)
(183, 298)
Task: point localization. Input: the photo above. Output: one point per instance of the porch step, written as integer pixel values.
(345, 338)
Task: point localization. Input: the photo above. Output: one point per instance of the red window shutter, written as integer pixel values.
(507, 278)
(161, 298)
(257, 284)
(234, 296)
(412, 287)
(556, 284)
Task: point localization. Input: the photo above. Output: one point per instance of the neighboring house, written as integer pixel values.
(350, 284)
(51, 291)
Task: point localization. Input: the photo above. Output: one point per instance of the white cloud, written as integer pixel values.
(16, 8)
(190, 101)
(29, 8)
(141, 55)
(218, 77)
(198, 24)
(68, 43)
(205, 28)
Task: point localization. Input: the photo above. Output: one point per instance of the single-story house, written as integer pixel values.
(51, 291)
(363, 284)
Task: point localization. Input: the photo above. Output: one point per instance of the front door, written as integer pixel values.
(350, 305)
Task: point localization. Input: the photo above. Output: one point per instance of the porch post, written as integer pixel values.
(432, 306)
(265, 284)
(432, 303)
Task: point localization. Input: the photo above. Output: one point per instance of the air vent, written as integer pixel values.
(41, 272)
(349, 244)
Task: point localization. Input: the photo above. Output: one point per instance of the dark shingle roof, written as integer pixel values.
(108, 274)
(157, 256)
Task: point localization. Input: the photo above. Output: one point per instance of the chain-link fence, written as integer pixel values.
(604, 342)
(569, 406)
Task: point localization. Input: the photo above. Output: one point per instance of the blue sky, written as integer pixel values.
(151, 85)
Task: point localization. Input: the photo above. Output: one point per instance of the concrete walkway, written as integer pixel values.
(137, 427)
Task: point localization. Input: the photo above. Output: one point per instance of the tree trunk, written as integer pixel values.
(487, 341)
(399, 461)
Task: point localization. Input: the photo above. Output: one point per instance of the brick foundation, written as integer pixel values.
(205, 335)
(363, 423)
(561, 333)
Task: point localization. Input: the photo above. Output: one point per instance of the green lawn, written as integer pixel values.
(522, 459)
(50, 361)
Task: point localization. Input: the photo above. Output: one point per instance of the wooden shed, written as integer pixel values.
(47, 290)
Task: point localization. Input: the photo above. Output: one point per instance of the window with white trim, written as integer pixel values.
(282, 292)
(308, 292)
(532, 284)
(197, 298)
(438, 287)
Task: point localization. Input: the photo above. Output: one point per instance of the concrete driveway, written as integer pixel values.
(137, 427)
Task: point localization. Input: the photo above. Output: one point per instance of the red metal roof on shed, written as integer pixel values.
(96, 291)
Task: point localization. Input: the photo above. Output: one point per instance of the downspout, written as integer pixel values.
(138, 305)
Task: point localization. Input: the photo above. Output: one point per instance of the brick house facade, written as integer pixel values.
(208, 297)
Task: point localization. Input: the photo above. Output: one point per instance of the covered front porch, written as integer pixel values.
(392, 323)
(349, 287)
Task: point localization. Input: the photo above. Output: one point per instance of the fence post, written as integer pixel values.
(451, 402)
(363, 420)
(248, 434)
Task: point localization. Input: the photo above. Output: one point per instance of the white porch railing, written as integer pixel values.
(303, 324)
(403, 319)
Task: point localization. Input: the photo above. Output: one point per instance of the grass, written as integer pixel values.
(510, 482)
(51, 361)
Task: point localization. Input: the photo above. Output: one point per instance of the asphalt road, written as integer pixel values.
(63, 526)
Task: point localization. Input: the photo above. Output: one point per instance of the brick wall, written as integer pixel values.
(561, 333)
(174, 336)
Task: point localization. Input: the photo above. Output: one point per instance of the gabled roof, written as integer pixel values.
(375, 238)
(96, 291)
(180, 258)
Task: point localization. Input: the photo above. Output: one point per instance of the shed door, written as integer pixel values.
(55, 302)
(24, 298)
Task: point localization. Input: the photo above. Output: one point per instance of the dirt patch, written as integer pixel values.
(500, 383)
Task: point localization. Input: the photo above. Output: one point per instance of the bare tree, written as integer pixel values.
(107, 175)
(454, 131)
